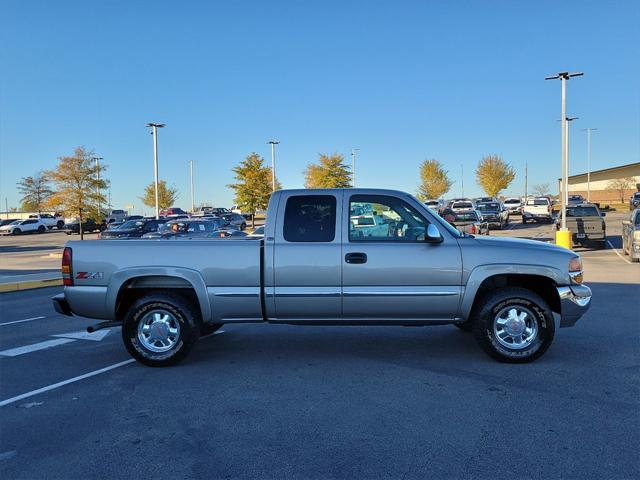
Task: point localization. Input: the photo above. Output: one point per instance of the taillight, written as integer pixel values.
(473, 229)
(67, 272)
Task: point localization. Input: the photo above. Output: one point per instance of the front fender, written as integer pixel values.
(193, 277)
(482, 272)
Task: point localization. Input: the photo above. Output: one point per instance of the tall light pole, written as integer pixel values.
(589, 130)
(193, 208)
(563, 77)
(462, 178)
(567, 121)
(97, 160)
(353, 166)
(526, 181)
(273, 144)
(154, 131)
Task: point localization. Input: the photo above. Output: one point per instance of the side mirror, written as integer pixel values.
(432, 234)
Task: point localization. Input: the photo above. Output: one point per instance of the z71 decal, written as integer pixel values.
(89, 276)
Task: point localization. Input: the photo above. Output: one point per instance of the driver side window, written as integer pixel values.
(381, 218)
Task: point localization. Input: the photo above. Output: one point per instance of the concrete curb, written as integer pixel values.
(29, 284)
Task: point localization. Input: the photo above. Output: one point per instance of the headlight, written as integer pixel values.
(575, 269)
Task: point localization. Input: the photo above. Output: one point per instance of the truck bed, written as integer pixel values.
(220, 269)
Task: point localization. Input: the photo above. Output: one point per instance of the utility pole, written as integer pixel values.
(154, 132)
(6, 207)
(568, 120)
(353, 166)
(192, 197)
(462, 178)
(109, 198)
(565, 238)
(273, 144)
(97, 159)
(526, 181)
(589, 130)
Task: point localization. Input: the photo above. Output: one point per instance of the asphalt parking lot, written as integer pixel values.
(272, 401)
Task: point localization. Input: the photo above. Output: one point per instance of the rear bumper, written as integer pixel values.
(61, 305)
(574, 302)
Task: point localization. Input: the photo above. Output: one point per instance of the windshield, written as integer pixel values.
(437, 218)
(512, 200)
(466, 217)
(432, 203)
(582, 212)
(483, 207)
(132, 224)
(462, 205)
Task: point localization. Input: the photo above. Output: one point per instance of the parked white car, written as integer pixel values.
(537, 209)
(50, 221)
(513, 205)
(28, 225)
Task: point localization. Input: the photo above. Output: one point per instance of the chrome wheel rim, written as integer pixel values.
(515, 327)
(158, 331)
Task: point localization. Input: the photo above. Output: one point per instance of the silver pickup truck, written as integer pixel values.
(314, 266)
(631, 236)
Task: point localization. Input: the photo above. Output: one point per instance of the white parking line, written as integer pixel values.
(617, 253)
(64, 382)
(14, 352)
(21, 321)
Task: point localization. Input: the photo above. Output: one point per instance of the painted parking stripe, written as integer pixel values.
(21, 321)
(14, 352)
(48, 388)
(616, 252)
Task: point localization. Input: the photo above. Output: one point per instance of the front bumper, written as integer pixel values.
(575, 300)
(61, 305)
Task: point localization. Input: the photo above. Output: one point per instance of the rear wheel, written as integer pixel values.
(601, 245)
(513, 325)
(524, 219)
(60, 224)
(160, 329)
(243, 226)
(42, 229)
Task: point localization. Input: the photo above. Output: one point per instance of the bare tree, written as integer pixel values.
(621, 185)
(541, 189)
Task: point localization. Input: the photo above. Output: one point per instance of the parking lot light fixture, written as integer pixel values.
(589, 130)
(97, 160)
(353, 166)
(154, 131)
(563, 77)
(273, 144)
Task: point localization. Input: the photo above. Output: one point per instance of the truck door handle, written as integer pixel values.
(355, 257)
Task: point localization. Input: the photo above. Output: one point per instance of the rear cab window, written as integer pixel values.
(310, 218)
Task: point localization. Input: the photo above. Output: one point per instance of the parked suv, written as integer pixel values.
(50, 221)
(29, 225)
(634, 201)
(133, 229)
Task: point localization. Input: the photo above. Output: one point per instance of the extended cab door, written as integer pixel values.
(389, 271)
(303, 260)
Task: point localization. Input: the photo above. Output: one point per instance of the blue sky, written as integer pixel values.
(400, 80)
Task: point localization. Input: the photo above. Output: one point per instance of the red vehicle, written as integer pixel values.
(172, 211)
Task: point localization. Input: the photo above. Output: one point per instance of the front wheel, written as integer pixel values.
(17, 231)
(524, 219)
(160, 329)
(60, 224)
(243, 226)
(41, 229)
(513, 325)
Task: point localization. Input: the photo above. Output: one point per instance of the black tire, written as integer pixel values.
(183, 314)
(601, 245)
(17, 231)
(209, 328)
(68, 233)
(497, 301)
(524, 219)
(243, 226)
(60, 224)
(42, 229)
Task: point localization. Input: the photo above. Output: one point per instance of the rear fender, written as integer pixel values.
(119, 278)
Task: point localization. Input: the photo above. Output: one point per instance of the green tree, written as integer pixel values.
(79, 181)
(329, 172)
(434, 180)
(167, 196)
(494, 174)
(253, 185)
(36, 191)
